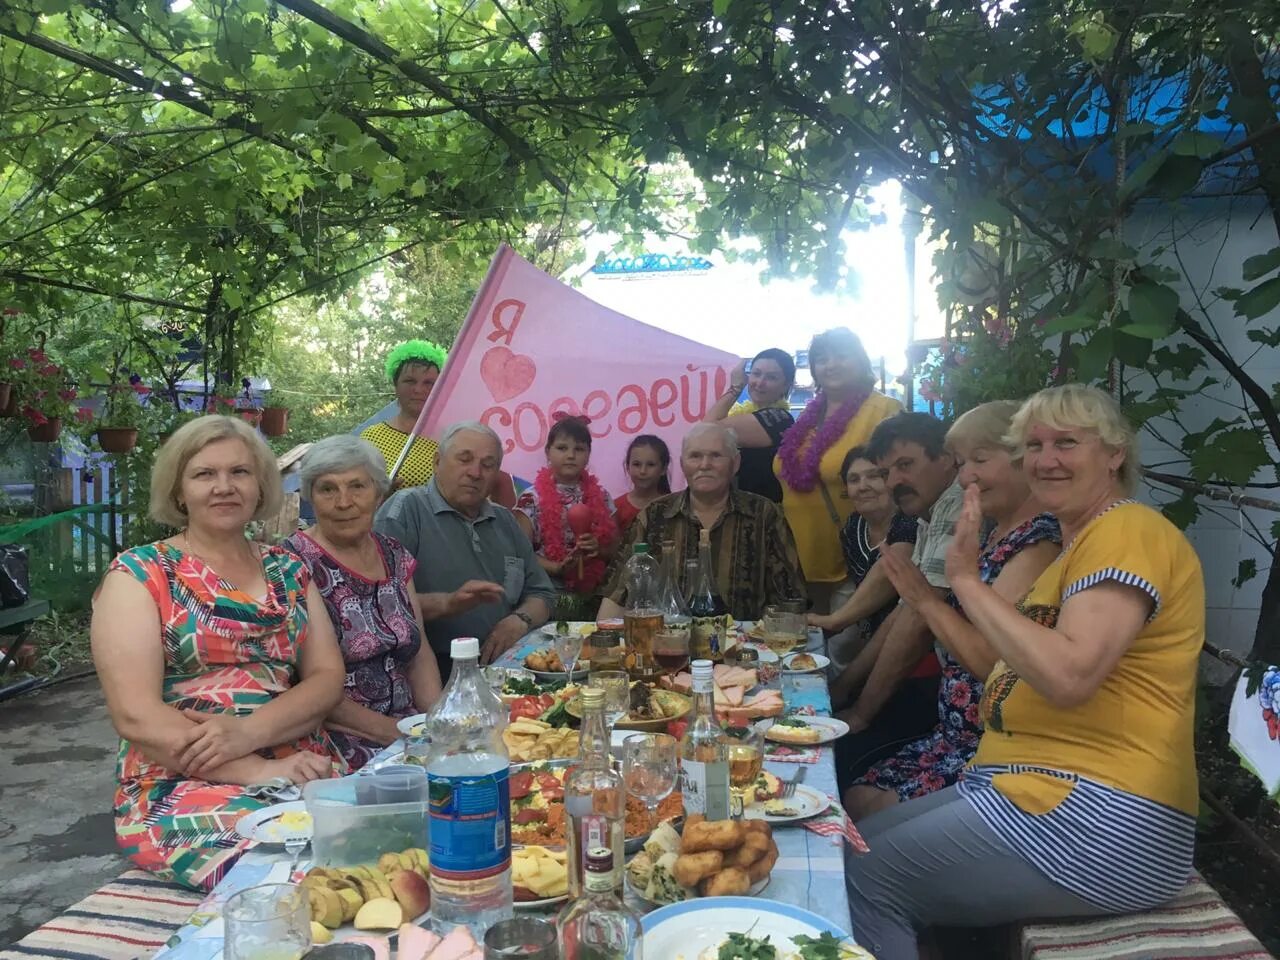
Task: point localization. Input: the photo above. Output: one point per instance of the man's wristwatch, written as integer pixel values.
(528, 620)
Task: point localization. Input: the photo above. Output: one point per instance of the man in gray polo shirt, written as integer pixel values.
(477, 575)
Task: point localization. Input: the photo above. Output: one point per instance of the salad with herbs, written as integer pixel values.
(744, 946)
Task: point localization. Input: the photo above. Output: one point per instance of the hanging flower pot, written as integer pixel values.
(117, 439)
(9, 396)
(46, 432)
(275, 421)
(250, 415)
(6, 393)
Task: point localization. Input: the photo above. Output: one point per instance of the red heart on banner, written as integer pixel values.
(506, 374)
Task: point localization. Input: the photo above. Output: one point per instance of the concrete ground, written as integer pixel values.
(57, 775)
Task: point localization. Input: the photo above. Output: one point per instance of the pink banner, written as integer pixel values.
(532, 346)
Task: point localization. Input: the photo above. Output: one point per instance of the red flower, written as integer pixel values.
(17, 363)
(67, 395)
(972, 715)
(37, 418)
(50, 370)
(961, 693)
(84, 414)
(37, 355)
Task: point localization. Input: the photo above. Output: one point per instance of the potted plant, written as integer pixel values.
(275, 421)
(121, 416)
(8, 354)
(45, 395)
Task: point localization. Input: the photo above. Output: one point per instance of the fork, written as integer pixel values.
(294, 847)
(789, 786)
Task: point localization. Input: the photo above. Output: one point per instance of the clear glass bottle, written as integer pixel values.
(595, 799)
(642, 618)
(470, 809)
(704, 752)
(706, 606)
(675, 612)
(598, 925)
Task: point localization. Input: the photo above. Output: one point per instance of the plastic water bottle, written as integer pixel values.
(470, 801)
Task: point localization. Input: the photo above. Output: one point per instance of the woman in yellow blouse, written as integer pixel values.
(413, 368)
(842, 415)
(1082, 797)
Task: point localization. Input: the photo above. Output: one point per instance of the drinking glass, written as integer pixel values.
(568, 647)
(746, 759)
(650, 768)
(267, 922)
(671, 651)
(617, 692)
(525, 938)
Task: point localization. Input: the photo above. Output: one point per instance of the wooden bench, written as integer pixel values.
(1195, 925)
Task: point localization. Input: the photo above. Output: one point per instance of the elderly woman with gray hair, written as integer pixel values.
(366, 580)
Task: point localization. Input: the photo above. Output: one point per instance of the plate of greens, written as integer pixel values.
(744, 928)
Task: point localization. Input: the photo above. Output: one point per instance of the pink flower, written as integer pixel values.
(84, 414)
(17, 363)
(972, 715)
(37, 356)
(37, 418)
(50, 370)
(67, 395)
(960, 694)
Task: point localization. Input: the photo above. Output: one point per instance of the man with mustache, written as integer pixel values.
(753, 555)
(477, 575)
(895, 676)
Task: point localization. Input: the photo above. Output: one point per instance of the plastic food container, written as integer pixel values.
(357, 819)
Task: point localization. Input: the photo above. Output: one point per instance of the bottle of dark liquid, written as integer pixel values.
(706, 607)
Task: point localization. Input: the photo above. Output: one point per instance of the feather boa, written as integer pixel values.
(558, 539)
(799, 467)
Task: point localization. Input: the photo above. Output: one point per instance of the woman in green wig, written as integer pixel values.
(413, 368)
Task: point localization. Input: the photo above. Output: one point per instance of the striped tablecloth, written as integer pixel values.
(809, 872)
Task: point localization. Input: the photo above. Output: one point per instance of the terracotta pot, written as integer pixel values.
(24, 656)
(117, 439)
(275, 421)
(10, 408)
(249, 415)
(46, 432)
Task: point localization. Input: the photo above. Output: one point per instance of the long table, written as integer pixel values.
(809, 872)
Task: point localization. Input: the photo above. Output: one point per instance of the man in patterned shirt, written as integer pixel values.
(896, 674)
(753, 555)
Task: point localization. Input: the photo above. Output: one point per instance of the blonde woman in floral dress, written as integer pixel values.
(215, 675)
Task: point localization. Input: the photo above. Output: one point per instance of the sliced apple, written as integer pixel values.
(352, 901)
(380, 914)
(411, 892)
(320, 933)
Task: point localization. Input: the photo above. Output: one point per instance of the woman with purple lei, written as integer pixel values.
(842, 415)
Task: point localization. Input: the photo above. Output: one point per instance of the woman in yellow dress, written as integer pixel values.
(841, 416)
(413, 368)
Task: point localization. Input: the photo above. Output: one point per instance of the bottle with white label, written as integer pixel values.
(704, 752)
(595, 800)
(470, 811)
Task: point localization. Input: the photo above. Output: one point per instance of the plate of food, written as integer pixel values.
(805, 663)
(529, 740)
(539, 876)
(278, 823)
(797, 730)
(347, 903)
(545, 665)
(747, 927)
(806, 802)
(727, 858)
(414, 726)
(651, 709)
(537, 807)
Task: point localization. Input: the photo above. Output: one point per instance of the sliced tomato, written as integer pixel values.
(529, 815)
(520, 784)
(550, 786)
(527, 706)
(677, 728)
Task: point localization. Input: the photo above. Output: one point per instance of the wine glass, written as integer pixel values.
(650, 768)
(671, 651)
(568, 647)
(746, 760)
(617, 692)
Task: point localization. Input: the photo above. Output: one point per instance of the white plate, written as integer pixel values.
(830, 728)
(406, 724)
(686, 929)
(264, 826)
(806, 801)
(755, 890)
(820, 663)
(539, 904)
(763, 653)
(579, 674)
